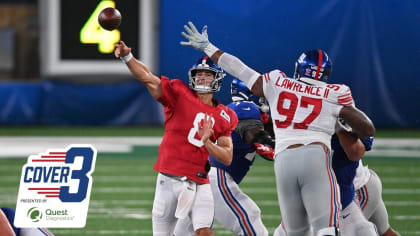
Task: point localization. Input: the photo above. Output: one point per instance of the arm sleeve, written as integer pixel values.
(245, 125)
(238, 69)
(169, 91)
(232, 123)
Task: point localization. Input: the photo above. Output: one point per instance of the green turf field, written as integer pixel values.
(123, 189)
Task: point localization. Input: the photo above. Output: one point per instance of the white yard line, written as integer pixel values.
(11, 198)
(249, 190)
(150, 232)
(102, 232)
(25, 146)
(248, 180)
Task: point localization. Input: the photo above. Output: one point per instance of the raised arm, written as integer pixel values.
(226, 61)
(139, 70)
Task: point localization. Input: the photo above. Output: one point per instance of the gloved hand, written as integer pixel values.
(265, 118)
(196, 40)
(265, 151)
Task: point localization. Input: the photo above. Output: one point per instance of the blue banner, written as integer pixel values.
(63, 103)
(374, 45)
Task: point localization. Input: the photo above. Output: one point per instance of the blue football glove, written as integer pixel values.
(195, 39)
(368, 142)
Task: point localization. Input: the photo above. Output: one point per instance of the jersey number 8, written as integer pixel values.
(193, 137)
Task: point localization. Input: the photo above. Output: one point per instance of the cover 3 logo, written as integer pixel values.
(57, 184)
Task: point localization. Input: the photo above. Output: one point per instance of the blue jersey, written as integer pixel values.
(243, 153)
(345, 169)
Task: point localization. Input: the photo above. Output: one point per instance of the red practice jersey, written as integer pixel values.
(182, 152)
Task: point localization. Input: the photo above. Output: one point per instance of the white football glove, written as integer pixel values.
(196, 40)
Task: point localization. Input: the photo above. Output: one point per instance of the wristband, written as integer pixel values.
(210, 49)
(127, 58)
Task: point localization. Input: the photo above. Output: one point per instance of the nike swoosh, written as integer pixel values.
(246, 108)
(346, 216)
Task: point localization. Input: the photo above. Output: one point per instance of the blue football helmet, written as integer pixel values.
(205, 63)
(240, 92)
(313, 67)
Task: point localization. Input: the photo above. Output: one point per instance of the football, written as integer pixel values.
(109, 18)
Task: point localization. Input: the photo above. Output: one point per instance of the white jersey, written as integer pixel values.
(362, 176)
(303, 113)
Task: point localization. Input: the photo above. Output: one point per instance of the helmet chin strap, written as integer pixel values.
(202, 89)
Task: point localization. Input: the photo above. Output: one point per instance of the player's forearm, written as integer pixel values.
(144, 75)
(238, 69)
(351, 144)
(221, 153)
(234, 66)
(5, 228)
(358, 121)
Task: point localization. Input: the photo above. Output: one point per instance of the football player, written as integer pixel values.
(235, 210)
(347, 151)
(369, 197)
(304, 110)
(7, 228)
(196, 125)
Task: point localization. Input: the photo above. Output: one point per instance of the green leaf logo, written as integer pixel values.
(34, 214)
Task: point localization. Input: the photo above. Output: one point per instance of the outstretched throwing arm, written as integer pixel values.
(139, 70)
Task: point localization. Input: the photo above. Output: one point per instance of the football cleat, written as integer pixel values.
(205, 63)
(313, 67)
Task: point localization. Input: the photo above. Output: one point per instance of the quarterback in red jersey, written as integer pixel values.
(194, 123)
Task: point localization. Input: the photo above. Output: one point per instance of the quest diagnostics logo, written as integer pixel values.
(55, 188)
(34, 214)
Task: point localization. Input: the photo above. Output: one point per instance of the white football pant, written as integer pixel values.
(168, 190)
(307, 189)
(354, 223)
(370, 201)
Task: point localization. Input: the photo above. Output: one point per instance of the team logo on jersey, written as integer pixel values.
(55, 188)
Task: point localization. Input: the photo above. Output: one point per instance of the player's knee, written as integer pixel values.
(279, 231)
(255, 212)
(204, 232)
(331, 231)
(256, 222)
(261, 230)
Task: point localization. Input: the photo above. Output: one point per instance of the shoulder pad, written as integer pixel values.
(245, 110)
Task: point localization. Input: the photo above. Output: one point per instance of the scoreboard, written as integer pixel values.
(73, 43)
